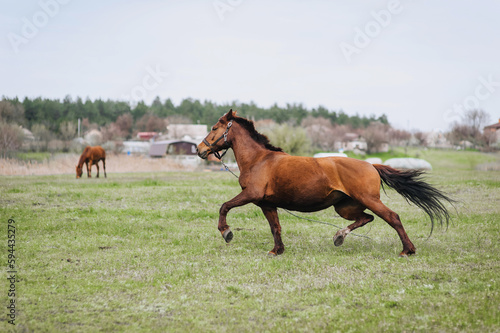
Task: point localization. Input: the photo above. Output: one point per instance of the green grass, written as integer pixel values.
(439, 158)
(393, 153)
(33, 156)
(142, 253)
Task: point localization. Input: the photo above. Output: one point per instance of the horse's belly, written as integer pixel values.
(304, 201)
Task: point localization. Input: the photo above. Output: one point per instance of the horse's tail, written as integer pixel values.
(413, 188)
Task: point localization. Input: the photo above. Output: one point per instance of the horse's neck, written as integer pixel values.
(81, 161)
(246, 151)
(83, 157)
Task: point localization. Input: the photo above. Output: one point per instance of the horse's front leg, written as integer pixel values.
(88, 169)
(271, 214)
(241, 199)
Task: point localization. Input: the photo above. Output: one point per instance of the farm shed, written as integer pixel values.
(172, 147)
(180, 151)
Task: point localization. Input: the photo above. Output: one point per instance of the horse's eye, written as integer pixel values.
(214, 128)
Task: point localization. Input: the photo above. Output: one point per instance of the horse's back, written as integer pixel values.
(95, 153)
(100, 151)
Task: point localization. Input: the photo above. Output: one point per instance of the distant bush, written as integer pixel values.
(293, 140)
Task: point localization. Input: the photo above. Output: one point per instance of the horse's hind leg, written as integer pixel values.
(350, 209)
(394, 221)
(271, 215)
(104, 167)
(97, 166)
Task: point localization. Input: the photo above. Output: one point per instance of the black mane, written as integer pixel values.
(259, 138)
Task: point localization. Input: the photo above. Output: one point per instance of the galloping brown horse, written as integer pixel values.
(91, 155)
(270, 178)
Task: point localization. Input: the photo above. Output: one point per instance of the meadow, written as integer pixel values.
(140, 252)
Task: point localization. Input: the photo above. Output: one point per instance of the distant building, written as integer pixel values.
(351, 142)
(173, 147)
(493, 130)
(179, 144)
(147, 135)
(180, 151)
(437, 139)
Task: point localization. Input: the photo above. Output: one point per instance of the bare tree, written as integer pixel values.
(470, 129)
(150, 123)
(42, 136)
(421, 138)
(320, 131)
(88, 126)
(68, 132)
(124, 123)
(398, 137)
(375, 135)
(112, 132)
(11, 138)
(476, 120)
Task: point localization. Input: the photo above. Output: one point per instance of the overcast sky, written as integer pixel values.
(420, 62)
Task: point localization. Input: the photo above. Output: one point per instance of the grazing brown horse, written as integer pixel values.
(91, 155)
(270, 178)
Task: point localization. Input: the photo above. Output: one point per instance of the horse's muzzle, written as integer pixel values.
(203, 154)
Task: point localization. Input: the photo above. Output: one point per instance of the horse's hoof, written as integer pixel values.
(339, 237)
(406, 254)
(271, 254)
(228, 235)
(338, 240)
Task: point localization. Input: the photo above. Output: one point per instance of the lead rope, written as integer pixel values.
(289, 212)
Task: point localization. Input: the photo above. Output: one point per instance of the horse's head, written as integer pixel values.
(217, 140)
(79, 171)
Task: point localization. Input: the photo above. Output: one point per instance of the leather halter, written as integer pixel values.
(223, 136)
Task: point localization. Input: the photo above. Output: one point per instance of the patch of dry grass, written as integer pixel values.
(65, 164)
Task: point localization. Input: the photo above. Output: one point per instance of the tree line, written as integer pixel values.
(50, 119)
(300, 130)
(53, 112)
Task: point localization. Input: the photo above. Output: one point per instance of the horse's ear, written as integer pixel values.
(230, 115)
